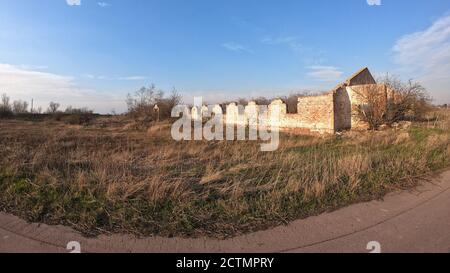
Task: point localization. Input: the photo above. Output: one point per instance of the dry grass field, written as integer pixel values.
(112, 177)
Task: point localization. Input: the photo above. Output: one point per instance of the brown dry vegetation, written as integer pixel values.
(111, 177)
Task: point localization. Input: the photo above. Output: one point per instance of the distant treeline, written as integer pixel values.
(20, 109)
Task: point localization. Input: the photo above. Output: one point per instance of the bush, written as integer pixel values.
(5, 107)
(78, 119)
(410, 100)
(53, 107)
(404, 101)
(77, 116)
(5, 113)
(141, 105)
(20, 107)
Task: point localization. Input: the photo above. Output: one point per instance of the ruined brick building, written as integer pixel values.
(334, 111)
(338, 109)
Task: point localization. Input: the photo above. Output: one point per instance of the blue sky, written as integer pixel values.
(93, 52)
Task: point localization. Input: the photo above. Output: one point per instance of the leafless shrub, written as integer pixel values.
(141, 105)
(72, 111)
(242, 101)
(38, 110)
(53, 107)
(79, 116)
(410, 100)
(142, 102)
(401, 101)
(374, 110)
(5, 107)
(167, 104)
(20, 107)
(262, 101)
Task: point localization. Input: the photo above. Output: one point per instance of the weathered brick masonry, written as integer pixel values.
(334, 111)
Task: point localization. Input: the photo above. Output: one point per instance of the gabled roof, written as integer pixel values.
(369, 78)
(353, 80)
(362, 70)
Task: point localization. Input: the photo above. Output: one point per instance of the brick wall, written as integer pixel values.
(328, 113)
(358, 98)
(342, 109)
(316, 113)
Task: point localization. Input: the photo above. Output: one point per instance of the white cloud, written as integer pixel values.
(374, 2)
(95, 77)
(308, 55)
(133, 78)
(33, 67)
(425, 55)
(290, 41)
(246, 25)
(110, 78)
(73, 2)
(231, 46)
(103, 4)
(23, 84)
(325, 73)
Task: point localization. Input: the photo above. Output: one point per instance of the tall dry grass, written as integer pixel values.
(110, 177)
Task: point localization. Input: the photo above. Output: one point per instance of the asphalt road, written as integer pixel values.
(417, 220)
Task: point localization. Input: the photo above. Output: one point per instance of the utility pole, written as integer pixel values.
(32, 101)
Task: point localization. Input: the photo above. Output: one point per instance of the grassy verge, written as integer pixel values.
(109, 178)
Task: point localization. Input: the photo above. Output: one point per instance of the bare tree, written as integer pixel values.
(262, 101)
(409, 100)
(399, 101)
(20, 107)
(5, 102)
(242, 101)
(141, 103)
(373, 109)
(53, 107)
(5, 106)
(166, 105)
(77, 111)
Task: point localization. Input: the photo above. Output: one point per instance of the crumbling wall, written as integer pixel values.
(316, 113)
(252, 110)
(232, 113)
(342, 109)
(278, 105)
(195, 113)
(359, 96)
(334, 111)
(328, 113)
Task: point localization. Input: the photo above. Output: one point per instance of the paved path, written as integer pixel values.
(406, 221)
